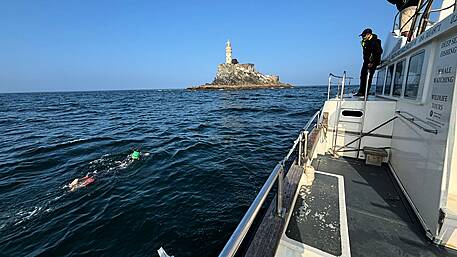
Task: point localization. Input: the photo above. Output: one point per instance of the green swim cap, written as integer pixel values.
(136, 155)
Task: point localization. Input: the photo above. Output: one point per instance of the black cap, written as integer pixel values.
(366, 31)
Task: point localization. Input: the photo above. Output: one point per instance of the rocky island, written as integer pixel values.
(233, 75)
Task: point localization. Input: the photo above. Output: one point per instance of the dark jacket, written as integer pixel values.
(402, 4)
(372, 50)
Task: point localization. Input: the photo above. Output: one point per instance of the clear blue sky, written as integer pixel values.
(97, 45)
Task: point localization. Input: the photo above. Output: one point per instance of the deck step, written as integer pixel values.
(374, 156)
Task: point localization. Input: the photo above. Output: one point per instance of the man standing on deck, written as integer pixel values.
(407, 8)
(372, 51)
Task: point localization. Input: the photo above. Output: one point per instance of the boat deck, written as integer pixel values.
(351, 209)
(380, 220)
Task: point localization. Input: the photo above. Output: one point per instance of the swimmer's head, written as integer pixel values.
(136, 155)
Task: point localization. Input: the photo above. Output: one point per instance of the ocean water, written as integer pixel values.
(204, 157)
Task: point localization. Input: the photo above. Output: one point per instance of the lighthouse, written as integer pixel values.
(228, 52)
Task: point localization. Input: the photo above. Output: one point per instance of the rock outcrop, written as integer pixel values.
(233, 75)
(241, 76)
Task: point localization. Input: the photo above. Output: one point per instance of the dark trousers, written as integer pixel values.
(363, 78)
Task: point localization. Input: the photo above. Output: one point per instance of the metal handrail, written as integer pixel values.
(421, 25)
(316, 115)
(424, 20)
(343, 79)
(415, 16)
(335, 76)
(417, 13)
(413, 119)
(442, 9)
(339, 77)
(243, 227)
(359, 138)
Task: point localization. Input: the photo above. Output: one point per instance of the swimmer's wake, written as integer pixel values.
(102, 166)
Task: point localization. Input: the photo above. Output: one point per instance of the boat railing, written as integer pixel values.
(444, 8)
(277, 175)
(424, 10)
(396, 23)
(415, 120)
(342, 82)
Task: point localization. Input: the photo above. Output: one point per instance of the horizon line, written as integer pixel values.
(130, 89)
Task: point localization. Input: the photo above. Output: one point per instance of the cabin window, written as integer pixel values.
(414, 75)
(390, 71)
(380, 81)
(398, 80)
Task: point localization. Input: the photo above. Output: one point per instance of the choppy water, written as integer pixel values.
(209, 154)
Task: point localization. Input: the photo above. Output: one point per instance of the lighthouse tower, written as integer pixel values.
(228, 52)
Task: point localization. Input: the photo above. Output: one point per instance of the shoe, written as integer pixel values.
(359, 94)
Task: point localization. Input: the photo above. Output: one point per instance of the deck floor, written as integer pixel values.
(380, 220)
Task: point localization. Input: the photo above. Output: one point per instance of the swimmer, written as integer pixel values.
(81, 182)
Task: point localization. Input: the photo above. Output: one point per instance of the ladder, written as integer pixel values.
(364, 111)
(340, 97)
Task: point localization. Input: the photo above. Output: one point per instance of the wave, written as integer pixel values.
(276, 109)
(291, 96)
(301, 113)
(200, 127)
(36, 119)
(240, 109)
(205, 146)
(52, 148)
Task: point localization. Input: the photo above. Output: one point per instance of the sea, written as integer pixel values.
(204, 157)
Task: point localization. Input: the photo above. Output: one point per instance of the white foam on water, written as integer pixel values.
(99, 160)
(27, 215)
(74, 141)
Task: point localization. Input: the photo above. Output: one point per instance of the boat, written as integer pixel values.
(373, 175)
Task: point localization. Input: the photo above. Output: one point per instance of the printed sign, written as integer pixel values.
(443, 83)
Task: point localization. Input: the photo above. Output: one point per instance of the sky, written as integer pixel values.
(112, 45)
